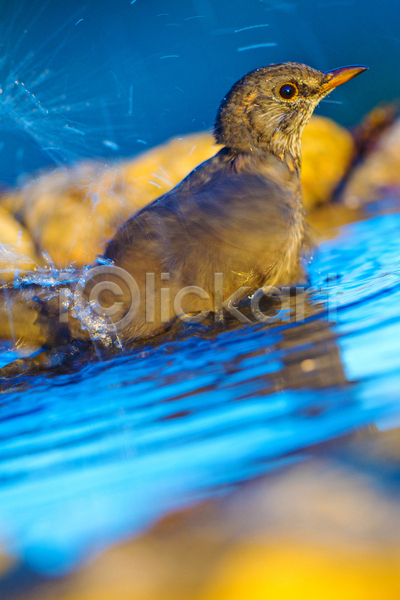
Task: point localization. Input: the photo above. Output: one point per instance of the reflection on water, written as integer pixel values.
(89, 457)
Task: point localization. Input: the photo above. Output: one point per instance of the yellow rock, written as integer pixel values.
(285, 570)
(327, 150)
(17, 251)
(73, 213)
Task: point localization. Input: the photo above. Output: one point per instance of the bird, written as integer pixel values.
(233, 226)
(240, 213)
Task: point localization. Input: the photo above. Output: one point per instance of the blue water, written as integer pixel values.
(92, 457)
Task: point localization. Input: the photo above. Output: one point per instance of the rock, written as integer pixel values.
(378, 174)
(17, 250)
(328, 150)
(72, 213)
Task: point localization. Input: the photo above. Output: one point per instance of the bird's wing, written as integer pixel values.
(243, 210)
(217, 220)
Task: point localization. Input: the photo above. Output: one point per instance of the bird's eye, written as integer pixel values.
(288, 91)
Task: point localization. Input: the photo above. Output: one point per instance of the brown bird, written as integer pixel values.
(233, 225)
(240, 213)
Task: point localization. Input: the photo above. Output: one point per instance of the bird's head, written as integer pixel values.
(268, 108)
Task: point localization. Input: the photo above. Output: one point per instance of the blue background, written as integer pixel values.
(120, 77)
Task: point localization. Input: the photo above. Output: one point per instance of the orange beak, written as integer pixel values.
(341, 75)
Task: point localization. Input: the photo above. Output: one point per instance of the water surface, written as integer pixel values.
(94, 456)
